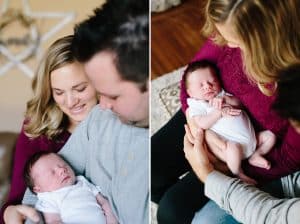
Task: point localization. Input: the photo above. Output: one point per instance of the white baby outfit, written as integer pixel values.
(75, 204)
(233, 128)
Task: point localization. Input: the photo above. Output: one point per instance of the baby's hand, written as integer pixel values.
(216, 102)
(229, 111)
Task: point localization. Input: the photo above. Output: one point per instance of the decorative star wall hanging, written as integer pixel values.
(32, 40)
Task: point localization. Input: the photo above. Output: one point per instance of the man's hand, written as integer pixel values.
(16, 214)
(196, 153)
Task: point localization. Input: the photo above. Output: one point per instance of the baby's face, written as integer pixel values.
(203, 84)
(51, 173)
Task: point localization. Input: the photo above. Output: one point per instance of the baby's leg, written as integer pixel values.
(216, 144)
(265, 142)
(234, 156)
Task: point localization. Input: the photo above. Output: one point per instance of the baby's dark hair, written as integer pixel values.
(28, 166)
(201, 64)
(288, 90)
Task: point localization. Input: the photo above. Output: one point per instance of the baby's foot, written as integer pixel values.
(259, 161)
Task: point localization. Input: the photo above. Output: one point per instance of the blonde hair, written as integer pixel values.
(269, 30)
(43, 117)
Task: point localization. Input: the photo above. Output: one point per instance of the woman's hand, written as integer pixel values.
(16, 214)
(193, 127)
(196, 153)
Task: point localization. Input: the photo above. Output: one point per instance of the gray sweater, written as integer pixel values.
(249, 205)
(115, 157)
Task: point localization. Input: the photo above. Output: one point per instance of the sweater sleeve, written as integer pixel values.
(284, 158)
(248, 204)
(208, 51)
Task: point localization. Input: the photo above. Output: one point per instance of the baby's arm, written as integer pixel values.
(232, 101)
(206, 121)
(103, 202)
(52, 218)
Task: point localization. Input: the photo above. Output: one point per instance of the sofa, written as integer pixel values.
(7, 147)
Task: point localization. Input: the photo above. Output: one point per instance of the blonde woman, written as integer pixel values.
(62, 97)
(251, 41)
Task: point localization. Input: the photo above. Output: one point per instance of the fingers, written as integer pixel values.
(216, 103)
(28, 212)
(219, 103)
(196, 154)
(189, 135)
(198, 140)
(234, 112)
(231, 111)
(16, 214)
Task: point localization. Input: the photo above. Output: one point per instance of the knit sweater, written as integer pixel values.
(285, 156)
(25, 148)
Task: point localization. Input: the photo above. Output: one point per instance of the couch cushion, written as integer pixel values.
(7, 147)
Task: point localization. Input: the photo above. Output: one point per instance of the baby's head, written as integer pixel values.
(46, 171)
(201, 80)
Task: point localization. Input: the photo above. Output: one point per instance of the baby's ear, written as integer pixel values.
(36, 189)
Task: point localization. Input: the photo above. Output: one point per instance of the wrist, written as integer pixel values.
(203, 171)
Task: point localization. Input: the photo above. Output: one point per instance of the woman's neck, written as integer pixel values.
(72, 126)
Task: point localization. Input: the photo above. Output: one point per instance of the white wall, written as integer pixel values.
(15, 86)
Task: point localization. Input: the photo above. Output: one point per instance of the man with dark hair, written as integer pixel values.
(288, 91)
(113, 45)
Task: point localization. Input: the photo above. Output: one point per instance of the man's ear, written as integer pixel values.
(144, 87)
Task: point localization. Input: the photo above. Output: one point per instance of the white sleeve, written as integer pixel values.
(195, 107)
(94, 189)
(47, 206)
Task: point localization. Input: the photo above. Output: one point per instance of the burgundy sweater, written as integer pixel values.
(25, 148)
(285, 156)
